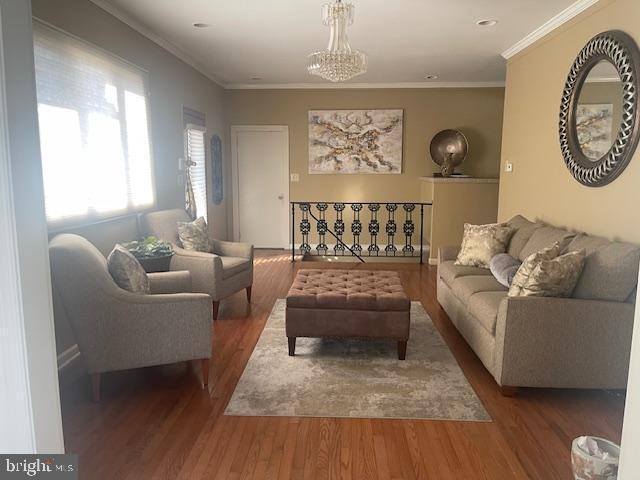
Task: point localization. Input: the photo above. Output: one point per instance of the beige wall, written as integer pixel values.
(540, 185)
(476, 112)
(172, 84)
(456, 202)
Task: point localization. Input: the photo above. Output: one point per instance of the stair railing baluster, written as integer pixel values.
(373, 227)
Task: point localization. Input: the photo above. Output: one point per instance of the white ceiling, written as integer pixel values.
(405, 39)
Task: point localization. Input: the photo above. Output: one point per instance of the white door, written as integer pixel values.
(260, 157)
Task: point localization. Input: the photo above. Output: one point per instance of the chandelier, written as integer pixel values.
(338, 62)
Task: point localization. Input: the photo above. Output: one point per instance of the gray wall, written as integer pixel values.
(172, 84)
(30, 419)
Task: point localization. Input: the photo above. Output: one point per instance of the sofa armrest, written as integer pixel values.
(233, 249)
(563, 342)
(132, 331)
(170, 282)
(448, 253)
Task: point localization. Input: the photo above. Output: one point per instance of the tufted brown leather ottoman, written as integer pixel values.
(348, 303)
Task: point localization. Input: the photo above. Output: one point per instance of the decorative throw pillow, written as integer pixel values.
(530, 263)
(194, 235)
(481, 243)
(504, 267)
(127, 271)
(556, 277)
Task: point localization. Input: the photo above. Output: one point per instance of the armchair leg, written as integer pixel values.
(95, 387)
(216, 306)
(204, 367)
(249, 293)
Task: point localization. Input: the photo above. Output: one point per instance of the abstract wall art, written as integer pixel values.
(355, 141)
(594, 124)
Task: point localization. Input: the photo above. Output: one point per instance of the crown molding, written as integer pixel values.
(550, 25)
(167, 45)
(339, 86)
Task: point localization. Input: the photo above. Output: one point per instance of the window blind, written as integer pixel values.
(94, 129)
(197, 155)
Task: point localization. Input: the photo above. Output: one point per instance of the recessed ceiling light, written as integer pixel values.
(256, 79)
(431, 77)
(201, 25)
(486, 23)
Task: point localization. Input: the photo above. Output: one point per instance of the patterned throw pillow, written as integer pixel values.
(531, 262)
(556, 277)
(195, 235)
(529, 265)
(481, 243)
(127, 271)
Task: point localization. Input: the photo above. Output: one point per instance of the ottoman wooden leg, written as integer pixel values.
(402, 349)
(292, 346)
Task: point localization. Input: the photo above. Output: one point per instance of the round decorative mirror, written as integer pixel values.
(599, 115)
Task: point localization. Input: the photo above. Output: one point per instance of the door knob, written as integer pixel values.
(280, 197)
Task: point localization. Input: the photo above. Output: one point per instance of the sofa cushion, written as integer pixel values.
(233, 265)
(480, 243)
(464, 287)
(543, 237)
(484, 307)
(449, 271)
(610, 273)
(523, 231)
(590, 243)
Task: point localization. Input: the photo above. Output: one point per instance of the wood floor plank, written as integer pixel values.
(158, 423)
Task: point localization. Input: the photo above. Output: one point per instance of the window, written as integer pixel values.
(195, 139)
(94, 129)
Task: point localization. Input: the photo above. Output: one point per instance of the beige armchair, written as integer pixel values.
(220, 274)
(116, 329)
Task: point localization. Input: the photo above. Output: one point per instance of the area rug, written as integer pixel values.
(355, 378)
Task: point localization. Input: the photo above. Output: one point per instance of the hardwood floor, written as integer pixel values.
(159, 423)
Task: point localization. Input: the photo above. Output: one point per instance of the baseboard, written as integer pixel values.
(433, 261)
(68, 357)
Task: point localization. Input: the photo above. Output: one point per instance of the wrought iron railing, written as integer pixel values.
(386, 224)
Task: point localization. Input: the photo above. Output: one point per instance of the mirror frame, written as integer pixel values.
(621, 51)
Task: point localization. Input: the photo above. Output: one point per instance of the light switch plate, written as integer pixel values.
(508, 167)
(295, 177)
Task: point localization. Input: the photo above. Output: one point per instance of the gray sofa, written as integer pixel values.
(578, 342)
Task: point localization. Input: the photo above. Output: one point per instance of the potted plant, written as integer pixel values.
(152, 253)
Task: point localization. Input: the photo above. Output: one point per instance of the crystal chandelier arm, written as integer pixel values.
(338, 41)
